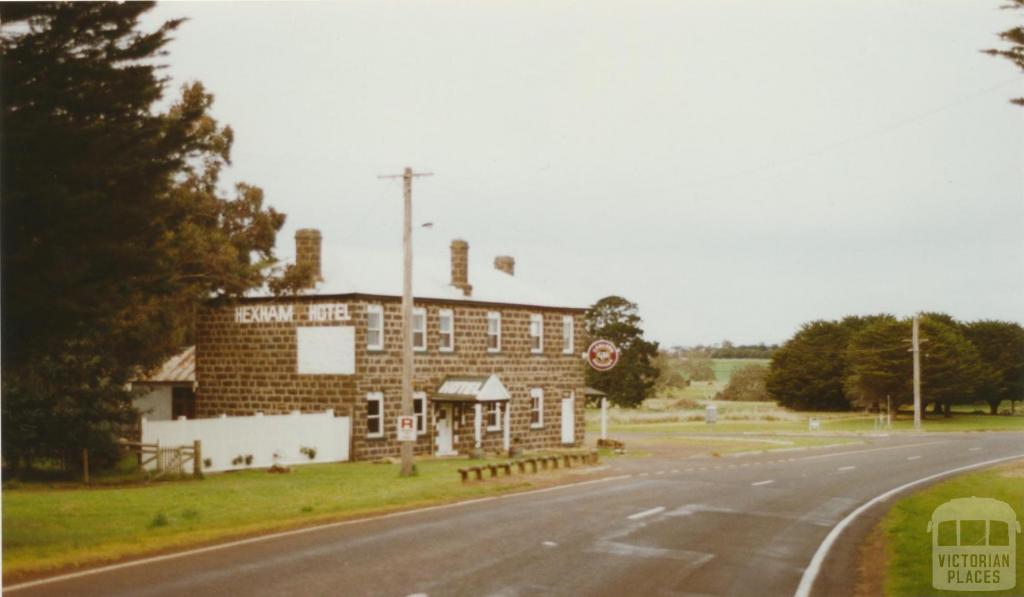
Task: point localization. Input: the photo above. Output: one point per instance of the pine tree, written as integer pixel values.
(1000, 344)
(114, 227)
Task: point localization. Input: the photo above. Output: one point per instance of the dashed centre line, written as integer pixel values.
(762, 482)
(646, 513)
(846, 468)
(974, 449)
(913, 457)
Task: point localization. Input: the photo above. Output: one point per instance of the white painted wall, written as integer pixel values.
(225, 438)
(155, 404)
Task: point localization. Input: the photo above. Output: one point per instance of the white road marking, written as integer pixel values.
(846, 468)
(675, 470)
(762, 482)
(549, 544)
(812, 570)
(913, 457)
(974, 449)
(646, 513)
(301, 531)
(660, 472)
(831, 454)
(643, 474)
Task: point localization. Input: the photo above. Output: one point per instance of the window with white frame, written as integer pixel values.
(446, 329)
(568, 331)
(374, 327)
(419, 410)
(493, 416)
(419, 328)
(494, 331)
(375, 414)
(537, 408)
(536, 333)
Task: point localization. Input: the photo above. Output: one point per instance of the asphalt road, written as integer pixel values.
(745, 525)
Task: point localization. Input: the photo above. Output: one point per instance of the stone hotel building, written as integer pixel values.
(496, 362)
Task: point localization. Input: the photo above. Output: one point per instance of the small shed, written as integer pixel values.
(168, 392)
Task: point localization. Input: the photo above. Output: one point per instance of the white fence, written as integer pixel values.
(228, 442)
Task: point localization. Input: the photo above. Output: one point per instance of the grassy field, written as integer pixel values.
(907, 567)
(682, 410)
(724, 368)
(52, 528)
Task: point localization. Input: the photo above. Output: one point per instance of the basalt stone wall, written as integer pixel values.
(248, 367)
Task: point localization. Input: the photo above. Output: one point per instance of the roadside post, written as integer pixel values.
(711, 414)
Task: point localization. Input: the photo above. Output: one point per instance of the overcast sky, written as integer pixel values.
(735, 168)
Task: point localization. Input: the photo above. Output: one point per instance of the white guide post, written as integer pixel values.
(477, 420)
(506, 438)
(604, 417)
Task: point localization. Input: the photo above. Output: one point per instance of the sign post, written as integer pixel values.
(604, 417)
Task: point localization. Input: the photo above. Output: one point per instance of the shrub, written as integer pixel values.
(160, 520)
(747, 384)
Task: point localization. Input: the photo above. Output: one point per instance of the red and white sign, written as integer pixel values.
(406, 429)
(602, 355)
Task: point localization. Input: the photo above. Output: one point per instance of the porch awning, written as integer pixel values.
(471, 389)
(590, 392)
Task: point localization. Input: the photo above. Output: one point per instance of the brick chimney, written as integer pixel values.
(505, 263)
(307, 250)
(460, 266)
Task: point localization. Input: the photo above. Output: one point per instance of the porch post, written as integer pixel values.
(433, 427)
(476, 424)
(508, 420)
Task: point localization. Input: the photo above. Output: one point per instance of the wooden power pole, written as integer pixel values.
(407, 356)
(915, 347)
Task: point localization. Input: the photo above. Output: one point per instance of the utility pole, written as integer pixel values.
(407, 410)
(916, 348)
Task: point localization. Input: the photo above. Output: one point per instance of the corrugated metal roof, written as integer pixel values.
(181, 368)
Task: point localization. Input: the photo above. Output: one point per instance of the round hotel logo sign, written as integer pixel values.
(602, 355)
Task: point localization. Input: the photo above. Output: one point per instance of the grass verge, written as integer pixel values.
(907, 565)
(46, 529)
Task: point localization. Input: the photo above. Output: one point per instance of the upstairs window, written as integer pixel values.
(494, 332)
(374, 327)
(419, 329)
(568, 331)
(536, 408)
(446, 329)
(419, 410)
(536, 333)
(375, 414)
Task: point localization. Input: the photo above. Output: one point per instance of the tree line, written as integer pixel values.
(864, 361)
(725, 350)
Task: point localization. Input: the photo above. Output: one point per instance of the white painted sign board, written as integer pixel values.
(326, 350)
(406, 429)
